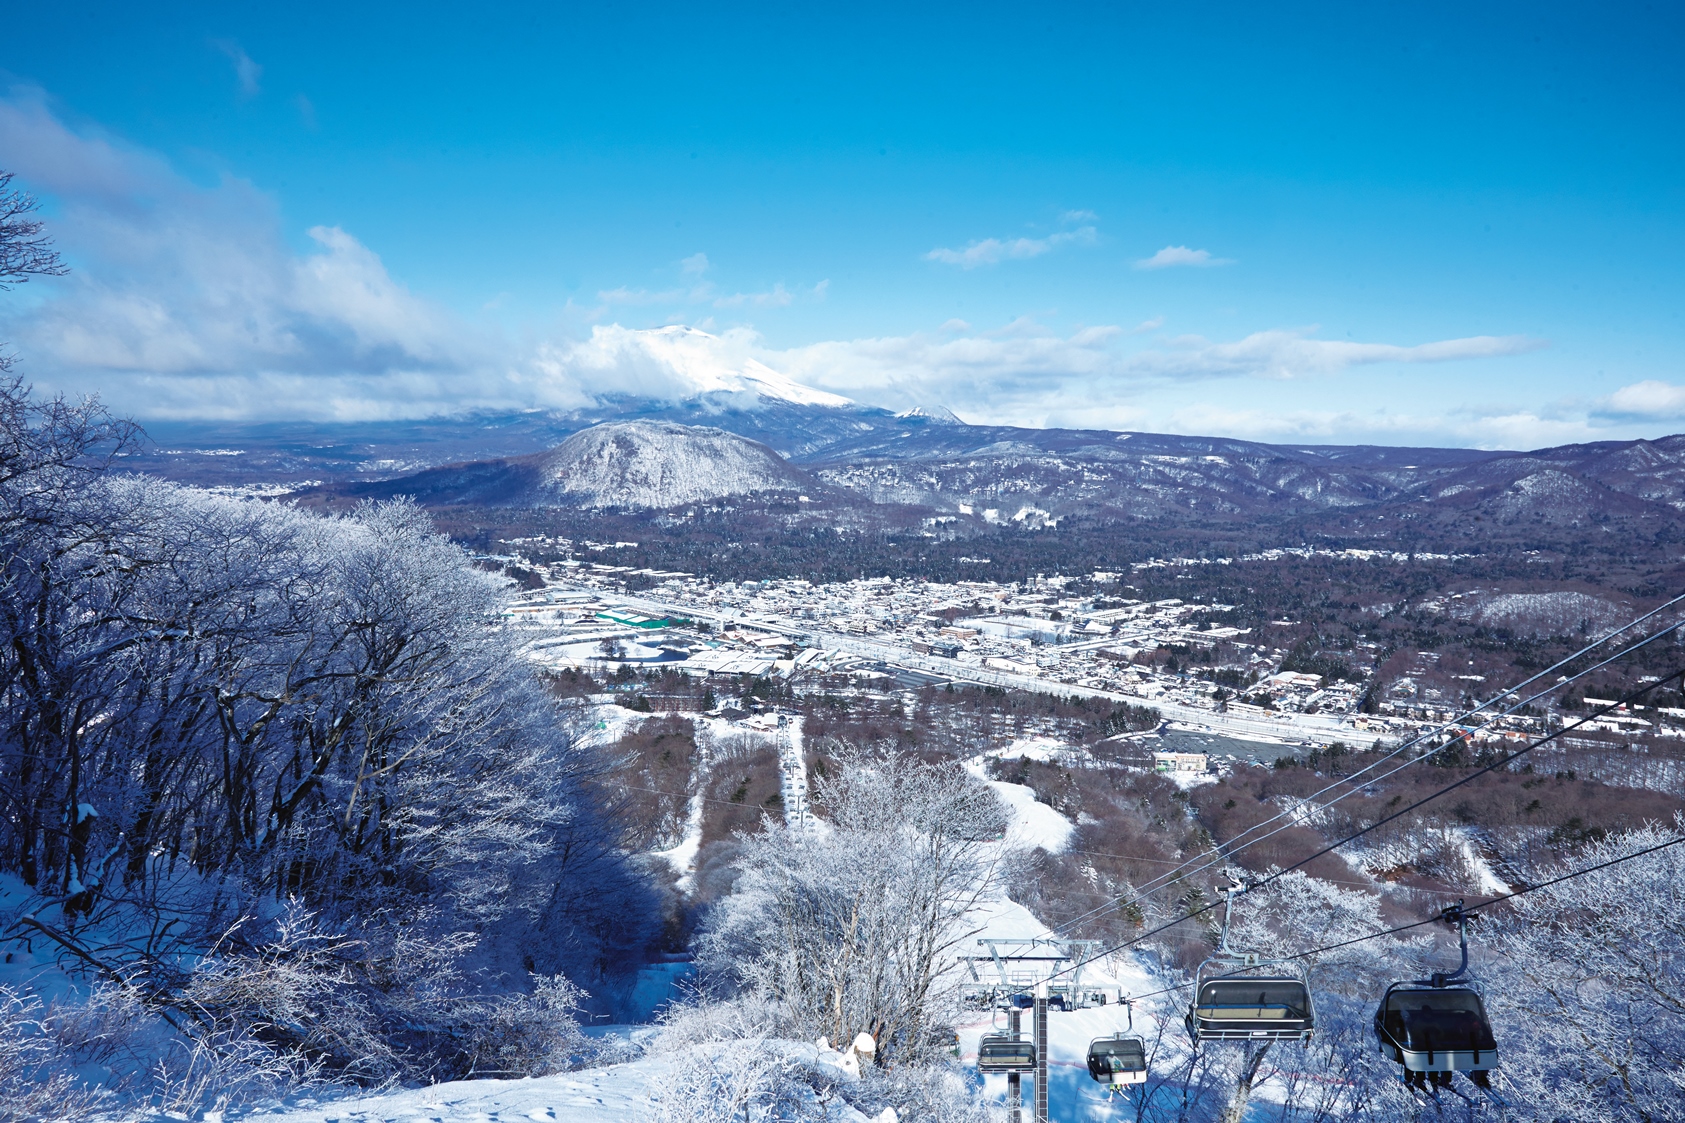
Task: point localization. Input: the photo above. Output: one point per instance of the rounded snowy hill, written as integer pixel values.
(634, 464)
(660, 464)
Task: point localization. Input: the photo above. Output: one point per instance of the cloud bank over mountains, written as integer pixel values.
(186, 300)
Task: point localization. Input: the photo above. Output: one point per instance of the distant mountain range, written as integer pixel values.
(926, 458)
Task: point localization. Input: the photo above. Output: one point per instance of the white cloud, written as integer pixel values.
(1460, 425)
(668, 363)
(1079, 216)
(1022, 361)
(706, 295)
(992, 251)
(185, 300)
(1292, 354)
(776, 297)
(246, 72)
(694, 265)
(640, 297)
(1649, 398)
(1181, 255)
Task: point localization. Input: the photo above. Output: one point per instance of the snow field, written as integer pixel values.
(651, 1088)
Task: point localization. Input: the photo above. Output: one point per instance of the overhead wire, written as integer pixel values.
(1430, 920)
(1500, 763)
(1390, 885)
(1228, 849)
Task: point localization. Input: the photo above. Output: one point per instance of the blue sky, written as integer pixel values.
(1318, 222)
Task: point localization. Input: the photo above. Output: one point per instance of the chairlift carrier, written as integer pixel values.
(1236, 999)
(999, 1052)
(1119, 1060)
(1430, 1026)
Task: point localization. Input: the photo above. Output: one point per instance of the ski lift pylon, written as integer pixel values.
(1434, 1029)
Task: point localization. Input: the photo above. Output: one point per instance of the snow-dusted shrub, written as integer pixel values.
(531, 1034)
(35, 1081)
(746, 1081)
(109, 1026)
(298, 989)
(745, 1017)
(931, 1093)
(212, 1071)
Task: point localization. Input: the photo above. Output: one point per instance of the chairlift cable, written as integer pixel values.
(1495, 765)
(1222, 853)
(1436, 919)
(1169, 862)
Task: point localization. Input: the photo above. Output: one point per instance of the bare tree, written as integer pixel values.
(25, 250)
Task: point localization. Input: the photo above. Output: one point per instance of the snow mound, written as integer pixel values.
(654, 464)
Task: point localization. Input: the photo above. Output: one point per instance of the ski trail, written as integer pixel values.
(792, 769)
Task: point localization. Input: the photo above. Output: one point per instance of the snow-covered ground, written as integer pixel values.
(1034, 748)
(624, 1093)
(616, 1094)
(620, 1093)
(1033, 824)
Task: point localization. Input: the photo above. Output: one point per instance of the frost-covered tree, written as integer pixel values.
(856, 930)
(216, 713)
(1587, 986)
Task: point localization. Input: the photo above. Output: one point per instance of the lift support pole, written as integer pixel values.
(1041, 1052)
(1014, 1080)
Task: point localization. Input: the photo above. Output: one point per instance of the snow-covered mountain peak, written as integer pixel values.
(679, 362)
(932, 414)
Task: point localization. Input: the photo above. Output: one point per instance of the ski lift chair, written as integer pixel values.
(1118, 1060)
(1121, 1059)
(1233, 1002)
(1435, 1029)
(1236, 998)
(999, 1053)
